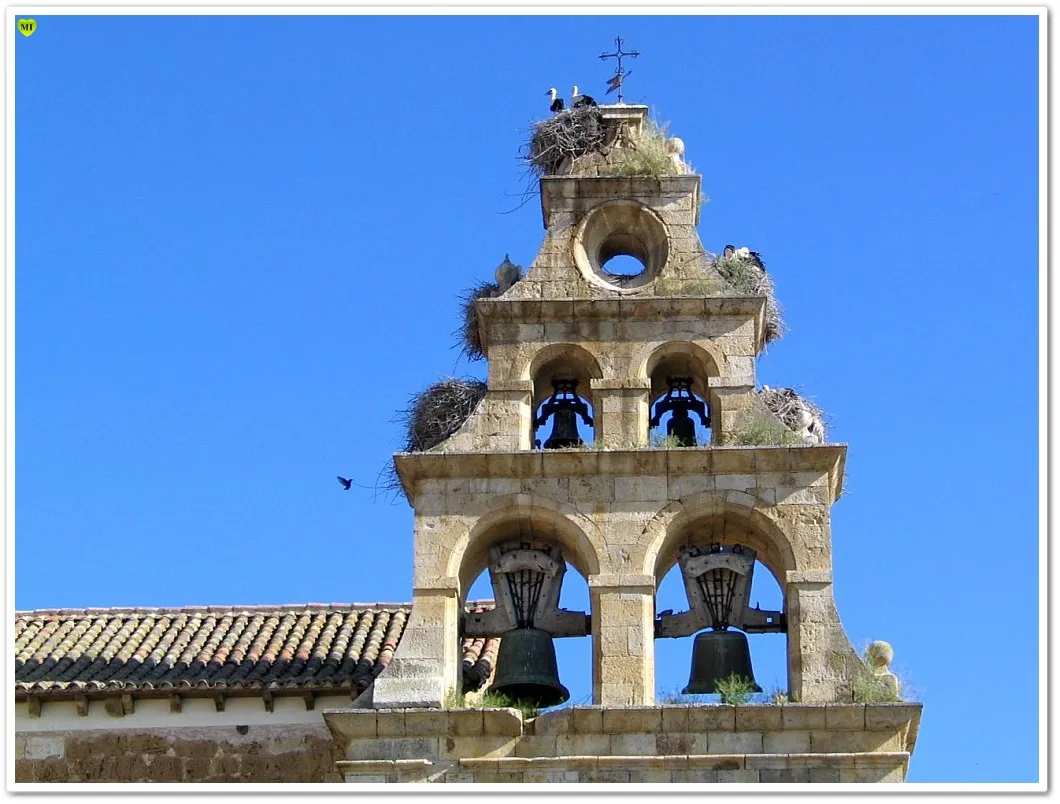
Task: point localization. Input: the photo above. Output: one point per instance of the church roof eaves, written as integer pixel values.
(329, 648)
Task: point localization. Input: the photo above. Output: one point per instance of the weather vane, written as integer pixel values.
(615, 82)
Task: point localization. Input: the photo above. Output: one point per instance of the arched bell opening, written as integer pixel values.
(716, 583)
(679, 417)
(573, 655)
(537, 604)
(564, 405)
(679, 410)
(675, 659)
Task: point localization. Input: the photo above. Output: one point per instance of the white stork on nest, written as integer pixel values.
(745, 253)
(557, 103)
(578, 101)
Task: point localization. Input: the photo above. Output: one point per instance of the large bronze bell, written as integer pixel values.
(683, 429)
(716, 655)
(526, 668)
(564, 430)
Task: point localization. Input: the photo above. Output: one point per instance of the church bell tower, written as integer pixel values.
(621, 432)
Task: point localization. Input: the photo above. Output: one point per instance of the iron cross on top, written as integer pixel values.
(615, 82)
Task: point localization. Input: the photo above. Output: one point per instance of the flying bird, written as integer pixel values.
(578, 101)
(557, 103)
(346, 482)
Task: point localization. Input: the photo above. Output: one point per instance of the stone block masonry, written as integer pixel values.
(791, 743)
(289, 753)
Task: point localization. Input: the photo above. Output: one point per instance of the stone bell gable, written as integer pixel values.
(602, 357)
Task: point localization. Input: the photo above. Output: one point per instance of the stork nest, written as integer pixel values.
(430, 418)
(748, 278)
(565, 136)
(797, 412)
(470, 343)
(435, 414)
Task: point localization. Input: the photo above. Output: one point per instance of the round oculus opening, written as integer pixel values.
(622, 243)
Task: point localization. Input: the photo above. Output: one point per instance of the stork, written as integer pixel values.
(557, 103)
(578, 101)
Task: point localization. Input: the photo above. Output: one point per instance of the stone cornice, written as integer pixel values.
(626, 309)
(639, 308)
(414, 466)
(641, 188)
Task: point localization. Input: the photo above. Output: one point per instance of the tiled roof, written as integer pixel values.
(311, 647)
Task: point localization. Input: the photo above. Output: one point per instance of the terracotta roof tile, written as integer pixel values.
(314, 647)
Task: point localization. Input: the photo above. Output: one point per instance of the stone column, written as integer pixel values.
(623, 627)
(821, 661)
(509, 417)
(621, 412)
(730, 398)
(426, 664)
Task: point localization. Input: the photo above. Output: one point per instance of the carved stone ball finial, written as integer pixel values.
(880, 654)
(675, 146)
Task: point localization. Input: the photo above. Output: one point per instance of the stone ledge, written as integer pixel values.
(621, 384)
(416, 466)
(688, 761)
(512, 386)
(809, 576)
(380, 765)
(646, 308)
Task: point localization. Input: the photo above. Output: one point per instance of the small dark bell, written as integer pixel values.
(716, 655)
(564, 430)
(526, 668)
(683, 429)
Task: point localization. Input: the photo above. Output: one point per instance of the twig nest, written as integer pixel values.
(799, 414)
(438, 412)
(747, 276)
(565, 136)
(506, 275)
(470, 342)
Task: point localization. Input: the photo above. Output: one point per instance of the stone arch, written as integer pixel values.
(514, 514)
(726, 521)
(686, 358)
(561, 358)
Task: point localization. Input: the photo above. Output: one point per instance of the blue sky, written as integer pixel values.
(240, 242)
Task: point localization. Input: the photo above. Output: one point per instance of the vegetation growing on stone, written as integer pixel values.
(735, 689)
(581, 142)
(869, 688)
(748, 279)
(757, 429)
(648, 156)
(660, 441)
(794, 410)
(489, 699)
